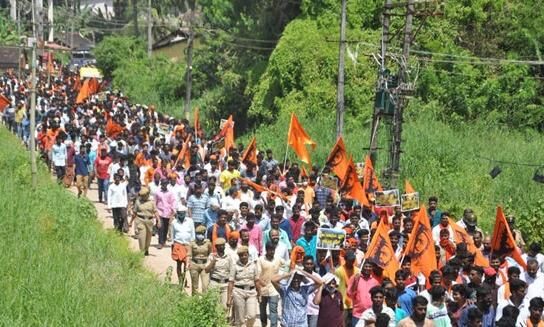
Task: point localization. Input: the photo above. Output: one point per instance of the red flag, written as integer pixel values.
(352, 187)
(420, 247)
(381, 252)
(250, 154)
(297, 138)
(503, 242)
(338, 159)
(370, 180)
(4, 102)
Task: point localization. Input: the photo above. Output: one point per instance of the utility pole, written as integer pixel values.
(189, 73)
(135, 17)
(38, 16)
(149, 30)
(394, 88)
(50, 20)
(13, 10)
(33, 164)
(340, 109)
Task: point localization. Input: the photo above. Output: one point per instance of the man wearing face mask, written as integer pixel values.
(183, 233)
(219, 267)
(199, 252)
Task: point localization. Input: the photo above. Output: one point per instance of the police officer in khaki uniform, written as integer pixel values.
(144, 213)
(199, 250)
(219, 267)
(243, 290)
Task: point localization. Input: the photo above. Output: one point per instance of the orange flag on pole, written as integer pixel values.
(352, 187)
(184, 154)
(94, 86)
(250, 153)
(84, 92)
(408, 188)
(420, 247)
(338, 159)
(502, 242)
(370, 180)
(461, 236)
(113, 128)
(4, 102)
(381, 252)
(303, 172)
(228, 133)
(197, 119)
(297, 138)
(261, 189)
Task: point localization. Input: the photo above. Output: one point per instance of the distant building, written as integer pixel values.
(103, 6)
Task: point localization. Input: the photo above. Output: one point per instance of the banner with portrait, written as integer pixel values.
(330, 239)
(409, 201)
(389, 198)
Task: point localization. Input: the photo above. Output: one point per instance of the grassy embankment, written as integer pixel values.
(60, 268)
(440, 159)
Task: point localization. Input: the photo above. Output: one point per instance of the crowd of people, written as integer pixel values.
(249, 230)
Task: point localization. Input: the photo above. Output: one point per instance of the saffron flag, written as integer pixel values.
(420, 247)
(381, 253)
(303, 172)
(228, 133)
(184, 154)
(84, 92)
(461, 236)
(50, 67)
(94, 86)
(261, 189)
(338, 159)
(370, 180)
(197, 119)
(502, 242)
(250, 154)
(4, 102)
(297, 138)
(352, 187)
(408, 188)
(113, 128)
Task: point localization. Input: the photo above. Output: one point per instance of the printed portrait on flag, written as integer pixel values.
(384, 256)
(422, 241)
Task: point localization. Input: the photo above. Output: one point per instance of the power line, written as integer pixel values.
(512, 163)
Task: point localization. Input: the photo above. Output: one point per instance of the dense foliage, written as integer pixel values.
(59, 267)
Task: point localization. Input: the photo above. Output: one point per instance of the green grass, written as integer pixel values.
(60, 268)
(440, 159)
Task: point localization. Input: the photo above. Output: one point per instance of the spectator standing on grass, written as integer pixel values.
(118, 202)
(59, 155)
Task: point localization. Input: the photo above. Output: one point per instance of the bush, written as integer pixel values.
(113, 51)
(60, 268)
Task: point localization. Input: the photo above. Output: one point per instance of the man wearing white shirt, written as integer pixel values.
(533, 252)
(59, 155)
(444, 224)
(518, 289)
(183, 228)
(117, 202)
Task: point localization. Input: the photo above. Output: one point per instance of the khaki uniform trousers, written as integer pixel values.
(222, 288)
(245, 306)
(199, 274)
(144, 229)
(82, 183)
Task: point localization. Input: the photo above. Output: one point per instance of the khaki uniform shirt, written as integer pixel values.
(145, 209)
(267, 270)
(200, 251)
(223, 267)
(244, 275)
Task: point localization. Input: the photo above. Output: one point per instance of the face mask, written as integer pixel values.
(200, 237)
(330, 289)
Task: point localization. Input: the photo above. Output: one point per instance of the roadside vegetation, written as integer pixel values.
(60, 268)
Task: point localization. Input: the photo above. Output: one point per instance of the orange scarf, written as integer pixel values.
(297, 255)
(214, 234)
(346, 281)
(507, 292)
(530, 324)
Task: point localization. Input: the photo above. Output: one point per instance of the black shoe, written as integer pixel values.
(146, 253)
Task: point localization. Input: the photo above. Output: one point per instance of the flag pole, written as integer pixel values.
(285, 159)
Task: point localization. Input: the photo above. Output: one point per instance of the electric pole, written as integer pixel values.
(340, 109)
(189, 72)
(33, 164)
(50, 20)
(38, 16)
(135, 17)
(393, 89)
(149, 30)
